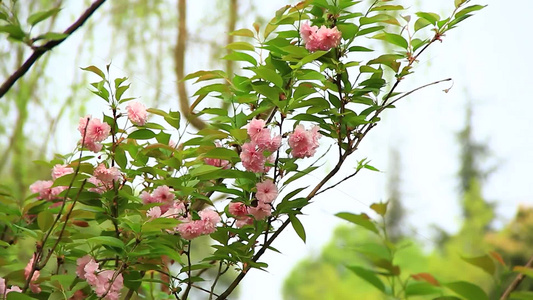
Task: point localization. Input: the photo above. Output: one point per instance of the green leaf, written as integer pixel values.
(521, 295)
(45, 219)
(54, 36)
(142, 134)
(173, 119)
(359, 49)
(467, 290)
(484, 262)
(309, 58)
(300, 174)
(94, 70)
(41, 16)
(242, 32)
(13, 31)
(389, 60)
(240, 46)
(459, 2)
(432, 18)
(239, 56)
(3, 16)
(387, 8)
(348, 30)
(106, 240)
(222, 153)
(524, 270)
(18, 296)
(202, 170)
(361, 220)
(469, 9)
(369, 30)
(421, 288)
(392, 38)
(269, 75)
(298, 227)
(379, 208)
(369, 276)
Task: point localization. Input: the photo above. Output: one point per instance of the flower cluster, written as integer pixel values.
(103, 282)
(260, 209)
(253, 153)
(303, 142)
(44, 187)
(191, 229)
(137, 113)
(97, 131)
(319, 39)
(162, 194)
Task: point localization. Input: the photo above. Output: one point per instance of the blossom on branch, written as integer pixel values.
(322, 38)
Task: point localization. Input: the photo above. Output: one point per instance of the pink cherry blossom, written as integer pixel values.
(82, 262)
(60, 170)
(27, 272)
(99, 185)
(2, 286)
(320, 39)
(44, 188)
(252, 158)
(303, 142)
(190, 230)
(91, 272)
(306, 31)
(176, 210)
(147, 197)
(154, 212)
(266, 191)
(136, 113)
(163, 194)
(104, 282)
(261, 211)
(210, 218)
(97, 130)
(255, 127)
(107, 175)
(238, 209)
(244, 221)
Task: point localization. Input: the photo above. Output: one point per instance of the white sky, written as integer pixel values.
(488, 57)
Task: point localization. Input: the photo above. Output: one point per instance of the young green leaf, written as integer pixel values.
(369, 276)
(298, 227)
(41, 16)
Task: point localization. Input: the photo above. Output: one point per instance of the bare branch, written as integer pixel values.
(39, 51)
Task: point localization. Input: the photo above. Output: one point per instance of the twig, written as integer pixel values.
(39, 51)
(418, 88)
(341, 181)
(517, 280)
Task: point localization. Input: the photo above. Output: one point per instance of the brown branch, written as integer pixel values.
(518, 279)
(39, 51)
(179, 68)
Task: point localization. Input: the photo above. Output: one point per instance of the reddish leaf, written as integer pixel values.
(497, 257)
(427, 278)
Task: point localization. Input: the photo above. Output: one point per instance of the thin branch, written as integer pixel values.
(518, 279)
(417, 89)
(341, 181)
(39, 51)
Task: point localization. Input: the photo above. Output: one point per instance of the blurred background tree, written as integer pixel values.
(326, 276)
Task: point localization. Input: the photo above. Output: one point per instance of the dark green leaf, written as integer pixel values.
(369, 276)
(45, 220)
(13, 31)
(484, 262)
(106, 240)
(392, 38)
(239, 56)
(467, 290)
(298, 227)
(269, 75)
(142, 134)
